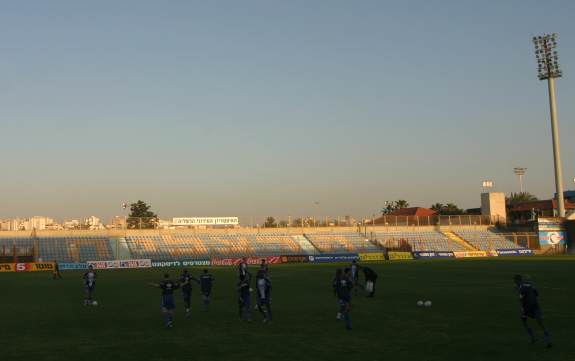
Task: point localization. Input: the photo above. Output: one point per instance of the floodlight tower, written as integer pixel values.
(520, 172)
(548, 68)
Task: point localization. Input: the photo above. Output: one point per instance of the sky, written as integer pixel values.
(256, 108)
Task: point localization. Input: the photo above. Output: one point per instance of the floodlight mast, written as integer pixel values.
(548, 69)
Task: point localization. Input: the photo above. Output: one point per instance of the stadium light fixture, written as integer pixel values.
(548, 69)
(487, 184)
(520, 172)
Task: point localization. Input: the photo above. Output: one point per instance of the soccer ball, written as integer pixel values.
(94, 303)
(427, 304)
(420, 303)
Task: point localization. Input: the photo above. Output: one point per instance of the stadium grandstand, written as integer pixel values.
(171, 245)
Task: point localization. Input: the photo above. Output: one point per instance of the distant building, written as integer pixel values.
(93, 222)
(118, 222)
(413, 212)
(528, 211)
(403, 212)
(71, 224)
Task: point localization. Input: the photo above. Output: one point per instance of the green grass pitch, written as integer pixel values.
(474, 315)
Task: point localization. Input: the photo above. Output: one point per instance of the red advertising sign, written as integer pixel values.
(234, 261)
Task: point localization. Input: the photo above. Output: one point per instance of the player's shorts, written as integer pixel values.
(263, 301)
(245, 300)
(343, 301)
(533, 312)
(90, 288)
(187, 294)
(168, 302)
(206, 293)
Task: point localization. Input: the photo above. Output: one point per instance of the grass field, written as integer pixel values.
(474, 316)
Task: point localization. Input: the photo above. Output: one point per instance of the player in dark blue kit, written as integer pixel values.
(206, 281)
(355, 275)
(264, 266)
(168, 304)
(344, 287)
(89, 287)
(335, 285)
(244, 301)
(370, 279)
(530, 308)
(186, 284)
(263, 295)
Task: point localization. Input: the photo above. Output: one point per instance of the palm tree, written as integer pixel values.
(402, 203)
(520, 197)
(438, 207)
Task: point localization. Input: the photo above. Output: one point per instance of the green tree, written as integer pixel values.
(402, 203)
(141, 217)
(438, 207)
(449, 209)
(283, 223)
(393, 206)
(270, 222)
(519, 197)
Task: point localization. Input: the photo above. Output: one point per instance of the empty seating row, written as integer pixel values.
(419, 240)
(486, 240)
(343, 242)
(181, 246)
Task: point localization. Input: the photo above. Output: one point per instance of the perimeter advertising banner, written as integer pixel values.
(335, 257)
(433, 254)
(294, 259)
(394, 256)
(27, 267)
(205, 221)
(470, 254)
(552, 232)
(372, 257)
(129, 263)
(249, 260)
(514, 252)
(65, 266)
(194, 262)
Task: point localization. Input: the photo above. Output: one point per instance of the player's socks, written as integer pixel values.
(531, 335)
(338, 316)
(347, 319)
(547, 338)
(269, 309)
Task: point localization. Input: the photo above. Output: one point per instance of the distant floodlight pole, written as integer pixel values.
(548, 69)
(520, 172)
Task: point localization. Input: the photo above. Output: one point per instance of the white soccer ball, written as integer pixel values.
(251, 289)
(420, 303)
(427, 303)
(94, 303)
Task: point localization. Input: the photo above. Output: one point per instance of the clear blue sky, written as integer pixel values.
(253, 108)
